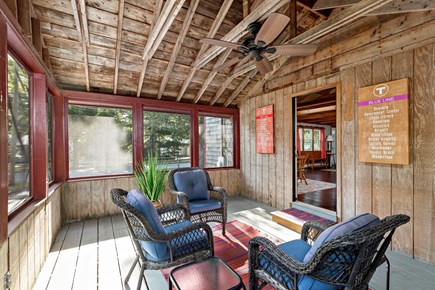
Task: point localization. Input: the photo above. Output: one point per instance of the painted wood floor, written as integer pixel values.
(95, 254)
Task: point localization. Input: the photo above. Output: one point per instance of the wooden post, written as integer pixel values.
(39, 135)
(24, 17)
(37, 35)
(3, 132)
(293, 26)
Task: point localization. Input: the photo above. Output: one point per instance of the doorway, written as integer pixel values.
(315, 150)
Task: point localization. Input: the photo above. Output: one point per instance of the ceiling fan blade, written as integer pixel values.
(295, 49)
(271, 28)
(220, 43)
(228, 63)
(264, 66)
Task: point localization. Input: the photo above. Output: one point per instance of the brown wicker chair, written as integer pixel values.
(211, 203)
(185, 243)
(344, 262)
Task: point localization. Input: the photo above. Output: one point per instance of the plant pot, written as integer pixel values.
(157, 203)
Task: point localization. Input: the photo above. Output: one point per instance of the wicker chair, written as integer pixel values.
(193, 189)
(180, 243)
(344, 262)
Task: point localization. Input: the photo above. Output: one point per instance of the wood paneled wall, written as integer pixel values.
(84, 199)
(27, 247)
(381, 189)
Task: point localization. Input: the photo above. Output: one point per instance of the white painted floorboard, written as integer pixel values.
(97, 254)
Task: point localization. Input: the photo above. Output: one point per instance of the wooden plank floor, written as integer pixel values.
(95, 254)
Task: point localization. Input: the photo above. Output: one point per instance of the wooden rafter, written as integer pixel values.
(176, 50)
(79, 29)
(118, 44)
(331, 4)
(162, 26)
(261, 12)
(245, 8)
(240, 87)
(222, 88)
(84, 20)
(404, 6)
(211, 75)
(347, 16)
(312, 10)
(212, 32)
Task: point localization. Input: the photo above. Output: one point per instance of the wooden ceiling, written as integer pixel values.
(98, 45)
(151, 49)
(318, 108)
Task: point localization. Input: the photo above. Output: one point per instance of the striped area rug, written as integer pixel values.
(233, 248)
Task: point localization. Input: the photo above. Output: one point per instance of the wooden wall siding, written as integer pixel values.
(86, 199)
(27, 247)
(361, 187)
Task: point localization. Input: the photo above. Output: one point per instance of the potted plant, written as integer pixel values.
(151, 178)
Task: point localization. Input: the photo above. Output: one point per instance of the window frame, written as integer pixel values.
(312, 138)
(235, 145)
(100, 105)
(139, 105)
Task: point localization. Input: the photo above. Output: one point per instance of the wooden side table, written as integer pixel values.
(211, 273)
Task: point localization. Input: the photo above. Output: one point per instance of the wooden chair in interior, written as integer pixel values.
(302, 161)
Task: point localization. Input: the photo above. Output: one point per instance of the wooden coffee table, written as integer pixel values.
(211, 273)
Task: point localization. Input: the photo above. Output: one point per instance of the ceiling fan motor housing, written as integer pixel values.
(254, 27)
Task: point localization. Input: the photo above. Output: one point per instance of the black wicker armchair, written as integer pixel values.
(343, 262)
(178, 241)
(193, 189)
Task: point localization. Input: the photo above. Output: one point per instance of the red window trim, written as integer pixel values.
(139, 105)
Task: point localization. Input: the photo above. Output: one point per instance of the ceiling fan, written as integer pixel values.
(257, 44)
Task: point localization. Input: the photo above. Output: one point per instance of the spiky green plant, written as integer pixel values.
(150, 177)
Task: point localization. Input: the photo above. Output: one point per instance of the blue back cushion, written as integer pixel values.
(136, 199)
(193, 183)
(352, 224)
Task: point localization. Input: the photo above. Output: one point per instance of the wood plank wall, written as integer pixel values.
(381, 189)
(26, 249)
(85, 199)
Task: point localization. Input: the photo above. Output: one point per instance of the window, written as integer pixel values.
(216, 142)
(310, 139)
(100, 141)
(168, 135)
(49, 138)
(18, 134)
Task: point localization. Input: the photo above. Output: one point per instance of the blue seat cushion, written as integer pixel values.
(183, 245)
(352, 224)
(297, 249)
(154, 250)
(193, 183)
(203, 205)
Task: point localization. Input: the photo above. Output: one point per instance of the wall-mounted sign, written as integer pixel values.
(264, 130)
(383, 123)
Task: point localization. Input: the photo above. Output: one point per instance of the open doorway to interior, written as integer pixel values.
(315, 148)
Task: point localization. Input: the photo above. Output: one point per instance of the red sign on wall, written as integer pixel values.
(264, 130)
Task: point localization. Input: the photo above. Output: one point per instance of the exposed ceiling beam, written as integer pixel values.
(118, 44)
(240, 87)
(163, 23)
(176, 50)
(212, 32)
(84, 19)
(331, 24)
(260, 13)
(159, 20)
(312, 10)
(331, 4)
(316, 110)
(245, 8)
(222, 88)
(292, 13)
(81, 37)
(211, 75)
(404, 6)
